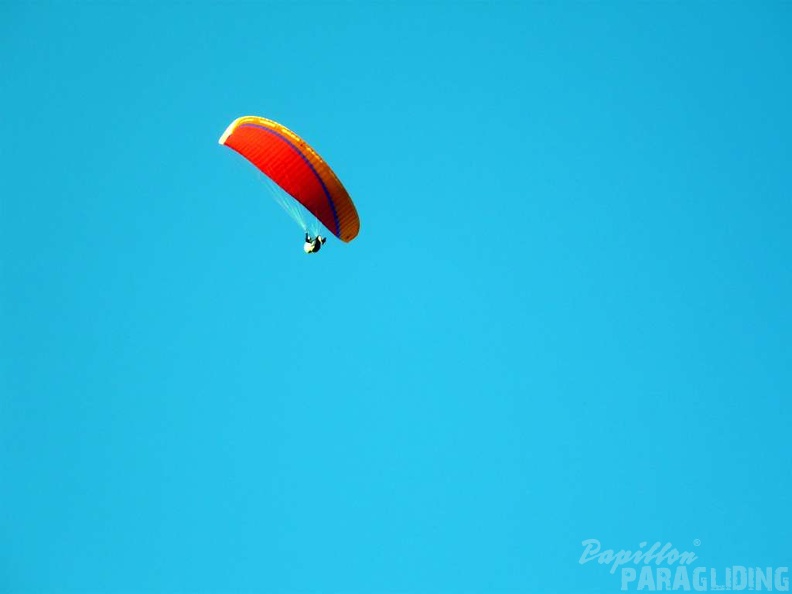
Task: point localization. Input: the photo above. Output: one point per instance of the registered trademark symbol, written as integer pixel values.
(696, 542)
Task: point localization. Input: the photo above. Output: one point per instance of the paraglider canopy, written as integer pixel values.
(297, 169)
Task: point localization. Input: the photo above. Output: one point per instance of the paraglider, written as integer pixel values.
(300, 180)
(311, 246)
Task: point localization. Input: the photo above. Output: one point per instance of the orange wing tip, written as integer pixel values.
(265, 123)
(230, 130)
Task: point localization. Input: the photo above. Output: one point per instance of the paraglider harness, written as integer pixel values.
(313, 245)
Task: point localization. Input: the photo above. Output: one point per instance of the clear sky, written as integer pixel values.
(567, 315)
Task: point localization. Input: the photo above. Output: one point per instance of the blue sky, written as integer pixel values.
(566, 315)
